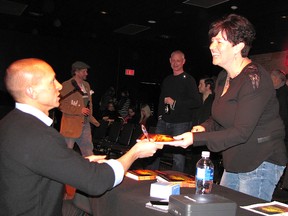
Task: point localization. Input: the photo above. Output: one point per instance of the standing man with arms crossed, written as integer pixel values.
(76, 107)
(178, 99)
(34, 159)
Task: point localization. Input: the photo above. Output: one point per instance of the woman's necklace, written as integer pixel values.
(239, 69)
(226, 86)
(227, 82)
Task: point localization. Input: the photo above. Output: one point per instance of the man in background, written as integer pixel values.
(279, 82)
(178, 100)
(76, 108)
(206, 89)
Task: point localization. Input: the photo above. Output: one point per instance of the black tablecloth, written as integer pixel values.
(130, 197)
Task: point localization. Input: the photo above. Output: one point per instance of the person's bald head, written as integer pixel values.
(32, 81)
(22, 74)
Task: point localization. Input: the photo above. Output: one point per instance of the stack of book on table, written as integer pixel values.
(183, 179)
(141, 174)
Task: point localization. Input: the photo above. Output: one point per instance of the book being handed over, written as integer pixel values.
(160, 138)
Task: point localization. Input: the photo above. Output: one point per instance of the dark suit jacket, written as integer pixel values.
(35, 163)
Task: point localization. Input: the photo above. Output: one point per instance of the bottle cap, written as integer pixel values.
(205, 154)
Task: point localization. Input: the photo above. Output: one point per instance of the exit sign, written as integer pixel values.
(129, 72)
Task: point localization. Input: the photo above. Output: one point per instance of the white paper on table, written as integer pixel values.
(272, 208)
(162, 208)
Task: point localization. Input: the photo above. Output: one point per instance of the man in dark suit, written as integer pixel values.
(34, 159)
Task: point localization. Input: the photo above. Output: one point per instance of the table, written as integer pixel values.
(129, 199)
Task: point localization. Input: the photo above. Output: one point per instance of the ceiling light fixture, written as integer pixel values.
(164, 36)
(178, 12)
(152, 21)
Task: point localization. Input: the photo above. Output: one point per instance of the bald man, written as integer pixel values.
(179, 98)
(34, 159)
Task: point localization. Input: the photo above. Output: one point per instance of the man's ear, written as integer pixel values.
(30, 92)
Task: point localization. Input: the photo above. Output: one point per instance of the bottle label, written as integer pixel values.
(206, 174)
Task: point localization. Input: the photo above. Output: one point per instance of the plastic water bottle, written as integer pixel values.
(204, 174)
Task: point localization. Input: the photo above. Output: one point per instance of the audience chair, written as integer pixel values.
(112, 137)
(123, 143)
(137, 132)
(126, 134)
(99, 135)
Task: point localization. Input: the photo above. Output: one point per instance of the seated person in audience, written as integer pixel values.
(133, 117)
(35, 161)
(146, 118)
(123, 103)
(110, 114)
(107, 97)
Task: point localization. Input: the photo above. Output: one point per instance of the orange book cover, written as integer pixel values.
(141, 174)
(184, 179)
(160, 138)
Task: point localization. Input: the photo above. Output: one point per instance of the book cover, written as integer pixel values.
(160, 138)
(184, 179)
(141, 174)
(272, 208)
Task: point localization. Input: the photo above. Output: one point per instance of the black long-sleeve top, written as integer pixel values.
(183, 89)
(204, 111)
(245, 122)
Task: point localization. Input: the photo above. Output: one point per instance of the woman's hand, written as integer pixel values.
(187, 140)
(198, 128)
